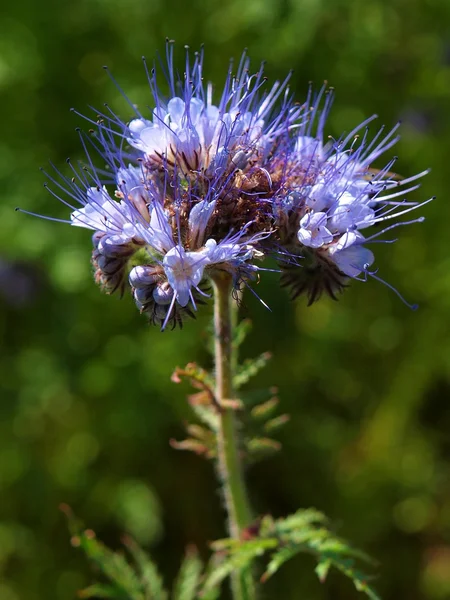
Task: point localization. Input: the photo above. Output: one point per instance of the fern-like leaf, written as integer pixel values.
(188, 580)
(279, 558)
(113, 565)
(305, 531)
(250, 368)
(150, 577)
(239, 559)
(240, 332)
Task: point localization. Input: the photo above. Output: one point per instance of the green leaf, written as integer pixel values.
(360, 580)
(322, 570)
(113, 565)
(240, 558)
(150, 577)
(265, 409)
(304, 531)
(302, 518)
(212, 594)
(276, 422)
(278, 559)
(241, 331)
(188, 579)
(225, 544)
(262, 445)
(216, 576)
(336, 546)
(249, 369)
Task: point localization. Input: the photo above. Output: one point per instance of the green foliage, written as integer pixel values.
(149, 576)
(306, 531)
(262, 423)
(188, 580)
(260, 419)
(250, 368)
(140, 579)
(282, 539)
(127, 585)
(240, 332)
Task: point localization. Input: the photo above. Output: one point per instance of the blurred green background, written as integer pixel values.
(87, 405)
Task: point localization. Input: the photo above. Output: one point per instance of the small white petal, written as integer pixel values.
(350, 256)
(313, 231)
(198, 220)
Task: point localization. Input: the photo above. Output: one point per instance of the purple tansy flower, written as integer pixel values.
(331, 193)
(207, 183)
(188, 130)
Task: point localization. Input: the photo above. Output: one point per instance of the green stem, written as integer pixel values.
(230, 468)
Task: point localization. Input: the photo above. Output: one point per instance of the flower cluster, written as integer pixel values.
(202, 186)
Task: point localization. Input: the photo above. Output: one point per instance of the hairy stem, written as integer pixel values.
(230, 468)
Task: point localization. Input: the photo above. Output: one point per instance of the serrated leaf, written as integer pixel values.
(203, 403)
(359, 579)
(304, 531)
(224, 544)
(322, 570)
(216, 576)
(313, 537)
(300, 519)
(279, 558)
(337, 547)
(241, 330)
(258, 445)
(276, 423)
(113, 565)
(239, 560)
(265, 409)
(207, 416)
(249, 369)
(266, 526)
(195, 446)
(188, 579)
(151, 579)
(368, 590)
(199, 377)
(212, 594)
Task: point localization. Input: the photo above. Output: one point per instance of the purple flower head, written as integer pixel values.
(191, 131)
(206, 183)
(331, 194)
